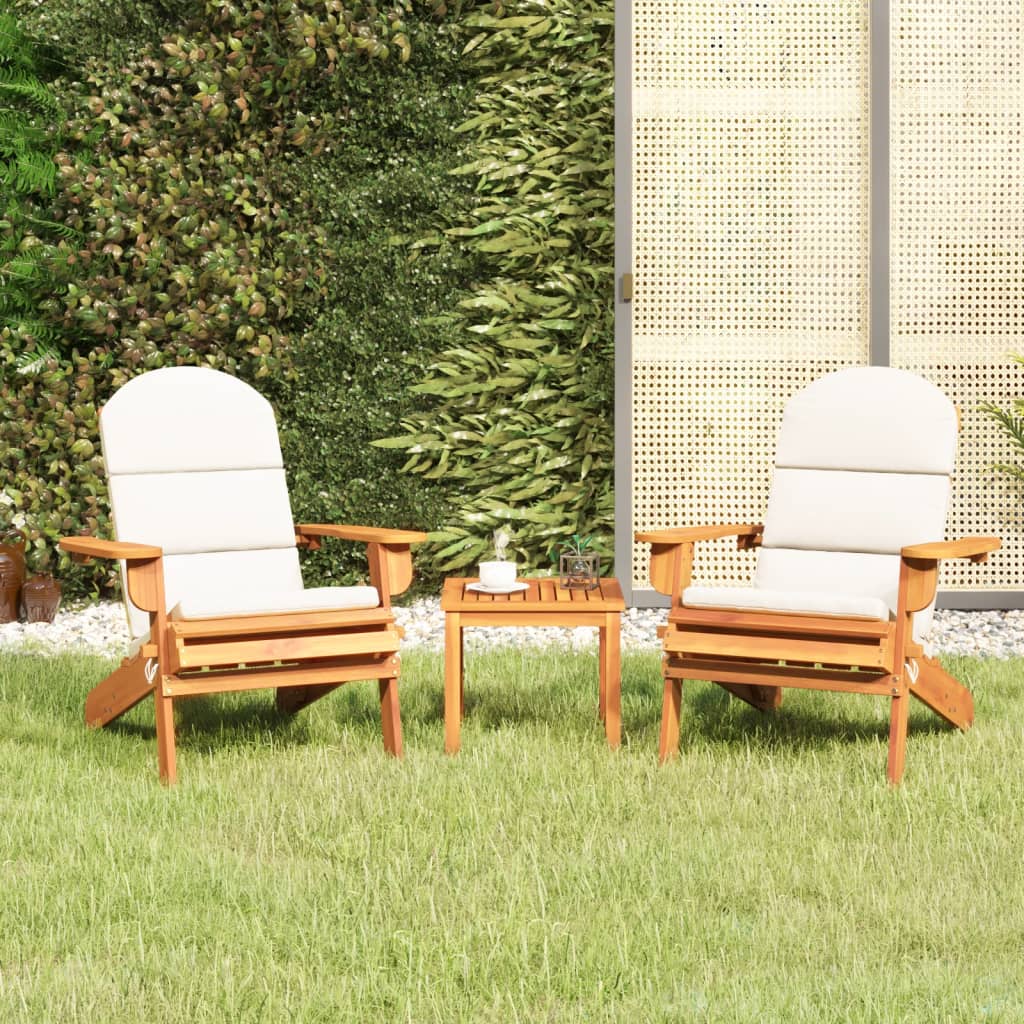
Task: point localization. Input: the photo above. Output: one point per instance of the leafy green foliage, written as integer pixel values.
(384, 182)
(105, 31)
(195, 243)
(255, 177)
(518, 424)
(29, 240)
(39, 443)
(1012, 422)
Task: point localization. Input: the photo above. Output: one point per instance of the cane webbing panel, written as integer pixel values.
(957, 243)
(749, 223)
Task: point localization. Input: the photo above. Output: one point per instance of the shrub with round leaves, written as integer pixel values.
(194, 248)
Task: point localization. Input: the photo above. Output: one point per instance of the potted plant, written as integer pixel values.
(40, 593)
(579, 568)
(12, 572)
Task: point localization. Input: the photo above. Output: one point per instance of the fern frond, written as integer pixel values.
(28, 173)
(33, 361)
(16, 48)
(1012, 425)
(20, 86)
(1014, 472)
(64, 231)
(1012, 422)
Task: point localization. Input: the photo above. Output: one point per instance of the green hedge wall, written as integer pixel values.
(233, 213)
(519, 422)
(386, 182)
(394, 221)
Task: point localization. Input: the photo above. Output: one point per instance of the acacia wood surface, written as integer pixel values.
(331, 671)
(364, 534)
(974, 548)
(544, 597)
(94, 547)
(283, 648)
(684, 534)
(543, 603)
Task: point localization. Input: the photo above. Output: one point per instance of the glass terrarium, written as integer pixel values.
(578, 568)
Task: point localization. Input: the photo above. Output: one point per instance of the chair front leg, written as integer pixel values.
(668, 746)
(898, 734)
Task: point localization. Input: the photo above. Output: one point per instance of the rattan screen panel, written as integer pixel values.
(957, 242)
(750, 246)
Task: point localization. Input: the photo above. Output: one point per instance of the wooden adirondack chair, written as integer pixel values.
(210, 566)
(847, 571)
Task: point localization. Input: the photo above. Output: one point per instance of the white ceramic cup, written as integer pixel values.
(497, 574)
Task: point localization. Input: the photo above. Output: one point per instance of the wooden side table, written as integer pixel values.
(543, 604)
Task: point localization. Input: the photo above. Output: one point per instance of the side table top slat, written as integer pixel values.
(542, 596)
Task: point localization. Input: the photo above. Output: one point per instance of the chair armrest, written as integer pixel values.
(85, 548)
(919, 568)
(144, 565)
(672, 552)
(364, 534)
(387, 552)
(974, 548)
(686, 534)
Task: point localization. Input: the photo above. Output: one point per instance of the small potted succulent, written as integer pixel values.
(579, 568)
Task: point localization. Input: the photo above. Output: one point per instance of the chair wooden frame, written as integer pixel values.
(303, 655)
(754, 655)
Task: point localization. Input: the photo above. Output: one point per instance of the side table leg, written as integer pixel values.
(602, 662)
(452, 681)
(611, 681)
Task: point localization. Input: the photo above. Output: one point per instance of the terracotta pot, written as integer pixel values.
(40, 598)
(12, 575)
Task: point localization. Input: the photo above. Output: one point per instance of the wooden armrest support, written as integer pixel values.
(84, 548)
(688, 534)
(974, 548)
(363, 534)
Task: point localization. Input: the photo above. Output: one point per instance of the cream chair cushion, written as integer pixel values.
(862, 470)
(316, 599)
(194, 466)
(794, 602)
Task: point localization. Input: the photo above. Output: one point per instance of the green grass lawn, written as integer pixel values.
(296, 874)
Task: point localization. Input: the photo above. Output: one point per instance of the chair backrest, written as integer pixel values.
(194, 465)
(862, 469)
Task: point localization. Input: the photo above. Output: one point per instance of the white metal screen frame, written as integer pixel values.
(878, 294)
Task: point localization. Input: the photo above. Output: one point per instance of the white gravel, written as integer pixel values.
(101, 629)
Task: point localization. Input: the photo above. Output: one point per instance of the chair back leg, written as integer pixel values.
(125, 687)
(948, 698)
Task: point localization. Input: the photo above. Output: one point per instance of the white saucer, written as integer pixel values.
(482, 588)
